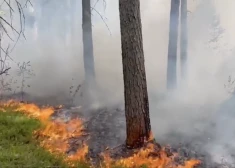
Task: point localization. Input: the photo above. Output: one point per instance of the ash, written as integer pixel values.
(106, 128)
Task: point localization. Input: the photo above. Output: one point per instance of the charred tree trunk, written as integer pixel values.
(183, 39)
(87, 43)
(172, 46)
(135, 85)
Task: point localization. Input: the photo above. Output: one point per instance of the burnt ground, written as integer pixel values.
(107, 129)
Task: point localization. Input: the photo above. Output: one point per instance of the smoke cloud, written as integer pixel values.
(188, 111)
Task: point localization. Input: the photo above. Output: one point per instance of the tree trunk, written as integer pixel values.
(183, 39)
(87, 42)
(135, 85)
(172, 46)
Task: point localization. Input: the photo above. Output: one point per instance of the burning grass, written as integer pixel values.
(54, 136)
(18, 148)
(149, 156)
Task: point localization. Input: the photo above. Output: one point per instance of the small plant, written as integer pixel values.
(6, 86)
(73, 92)
(24, 72)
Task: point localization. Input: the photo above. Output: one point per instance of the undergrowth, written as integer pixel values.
(19, 148)
(17, 145)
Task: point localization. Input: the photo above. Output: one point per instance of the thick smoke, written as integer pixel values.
(188, 111)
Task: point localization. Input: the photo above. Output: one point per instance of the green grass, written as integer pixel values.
(18, 148)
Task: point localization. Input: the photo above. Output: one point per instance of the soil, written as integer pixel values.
(106, 128)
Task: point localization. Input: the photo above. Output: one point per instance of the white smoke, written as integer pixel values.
(196, 101)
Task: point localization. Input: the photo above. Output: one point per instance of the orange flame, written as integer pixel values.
(142, 157)
(54, 136)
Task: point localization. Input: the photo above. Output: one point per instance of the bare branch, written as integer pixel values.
(9, 25)
(22, 26)
(103, 19)
(5, 71)
(5, 30)
(21, 19)
(11, 15)
(9, 5)
(27, 1)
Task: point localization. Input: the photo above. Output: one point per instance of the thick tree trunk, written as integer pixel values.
(87, 42)
(135, 85)
(172, 47)
(183, 39)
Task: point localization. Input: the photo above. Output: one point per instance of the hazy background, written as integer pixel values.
(193, 105)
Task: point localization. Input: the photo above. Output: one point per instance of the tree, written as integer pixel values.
(87, 43)
(135, 85)
(172, 46)
(8, 10)
(183, 38)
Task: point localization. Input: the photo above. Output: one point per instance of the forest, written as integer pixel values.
(117, 84)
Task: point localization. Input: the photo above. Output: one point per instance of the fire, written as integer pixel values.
(149, 157)
(81, 153)
(55, 134)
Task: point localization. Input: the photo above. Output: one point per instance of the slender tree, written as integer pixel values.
(172, 46)
(87, 42)
(183, 39)
(135, 86)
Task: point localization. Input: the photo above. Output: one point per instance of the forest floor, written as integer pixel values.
(18, 147)
(94, 138)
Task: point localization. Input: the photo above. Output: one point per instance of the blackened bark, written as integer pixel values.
(172, 47)
(87, 42)
(135, 85)
(183, 39)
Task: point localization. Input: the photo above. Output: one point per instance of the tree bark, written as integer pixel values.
(135, 86)
(87, 42)
(172, 46)
(183, 39)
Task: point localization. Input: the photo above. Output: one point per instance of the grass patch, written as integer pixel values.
(19, 148)
(17, 145)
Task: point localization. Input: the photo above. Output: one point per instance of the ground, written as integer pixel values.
(18, 147)
(106, 129)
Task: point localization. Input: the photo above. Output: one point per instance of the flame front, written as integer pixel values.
(143, 157)
(55, 135)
